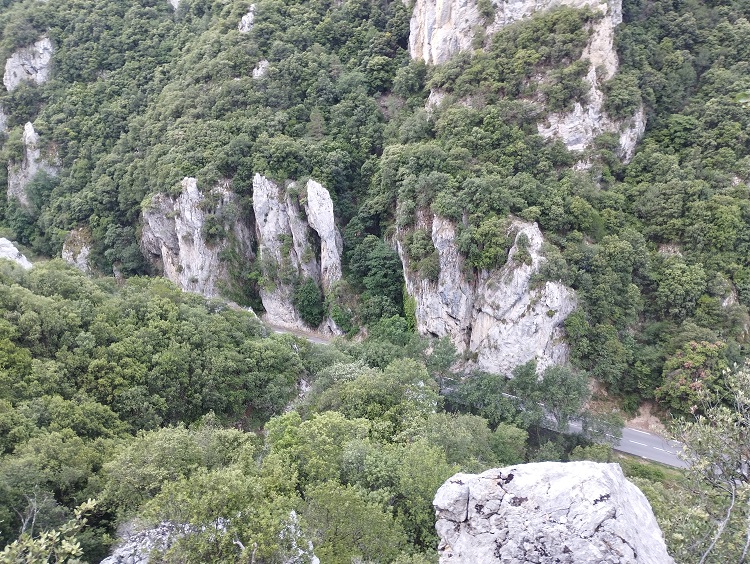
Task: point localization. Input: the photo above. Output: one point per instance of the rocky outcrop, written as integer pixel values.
(136, 546)
(9, 251)
(319, 210)
(32, 163)
(578, 128)
(77, 248)
(28, 64)
(246, 23)
(293, 245)
(175, 4)
(184, 237)
(548, 512)
(3, 121)
(495, 316)
(441, 28)
(261, 69)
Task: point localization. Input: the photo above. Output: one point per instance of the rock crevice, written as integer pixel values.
(496, 317)
(20, 174)
(177, 236)
(294, 245)
(28, 64)
(547, 512)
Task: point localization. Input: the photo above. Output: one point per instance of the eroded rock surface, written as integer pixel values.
(319, 209)
(28, 64)
(496, 315)
(32, 163)
(261, 69)
(547, 512)
(293, 245)
(178, 241)
(246, 23)
(77, 248)
(441, 28)
(9, 251)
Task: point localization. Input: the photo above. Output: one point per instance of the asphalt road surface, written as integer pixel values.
(646, 445)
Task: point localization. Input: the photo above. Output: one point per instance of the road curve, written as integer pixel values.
(633, 441)
(645, 445)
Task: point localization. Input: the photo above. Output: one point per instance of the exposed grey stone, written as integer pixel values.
(77, 248)
(21, 174)
(287, 246)
(246, 23)
(441, 28)
(548, 512)
(28, 64)
(9, 251)
(173, 237)
(260, 69)
(495, 315)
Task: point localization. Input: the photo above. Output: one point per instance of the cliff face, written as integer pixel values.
(9, 251)
(548, 512)
(441, 28)
(77, 248)
(20, 174)
(28, 64)
(176, 241)
(496, 315)
(293, 245)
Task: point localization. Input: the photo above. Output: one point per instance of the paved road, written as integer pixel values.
(646, 445)
(634, 441)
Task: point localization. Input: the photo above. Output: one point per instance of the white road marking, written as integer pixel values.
(641, 432)
(637, 443)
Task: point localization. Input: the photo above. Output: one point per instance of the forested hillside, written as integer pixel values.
(647, 247)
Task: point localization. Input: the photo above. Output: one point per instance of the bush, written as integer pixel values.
(308, 300)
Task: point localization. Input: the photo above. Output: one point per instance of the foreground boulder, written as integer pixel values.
(547, 512)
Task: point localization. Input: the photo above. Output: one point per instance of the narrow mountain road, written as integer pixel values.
(634, 441)
(645, 445)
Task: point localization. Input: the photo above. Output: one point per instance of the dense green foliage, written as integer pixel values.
(653, 248)
(140, 96)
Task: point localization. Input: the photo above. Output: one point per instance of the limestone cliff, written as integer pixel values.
(548, 512)
(29, 63)
(33, 162)
(441, 28)
(496, 316)
(77, 248)
(293, 245)
(319, 210)
(9, 251)
(178, 232)
(246, 23)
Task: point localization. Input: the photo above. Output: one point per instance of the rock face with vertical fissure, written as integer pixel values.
(294, 245)
(20, 174)
(497, 317)
(547, 512)
(175, 241)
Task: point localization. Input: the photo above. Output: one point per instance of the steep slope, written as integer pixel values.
(440, 29)
(497, 317)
